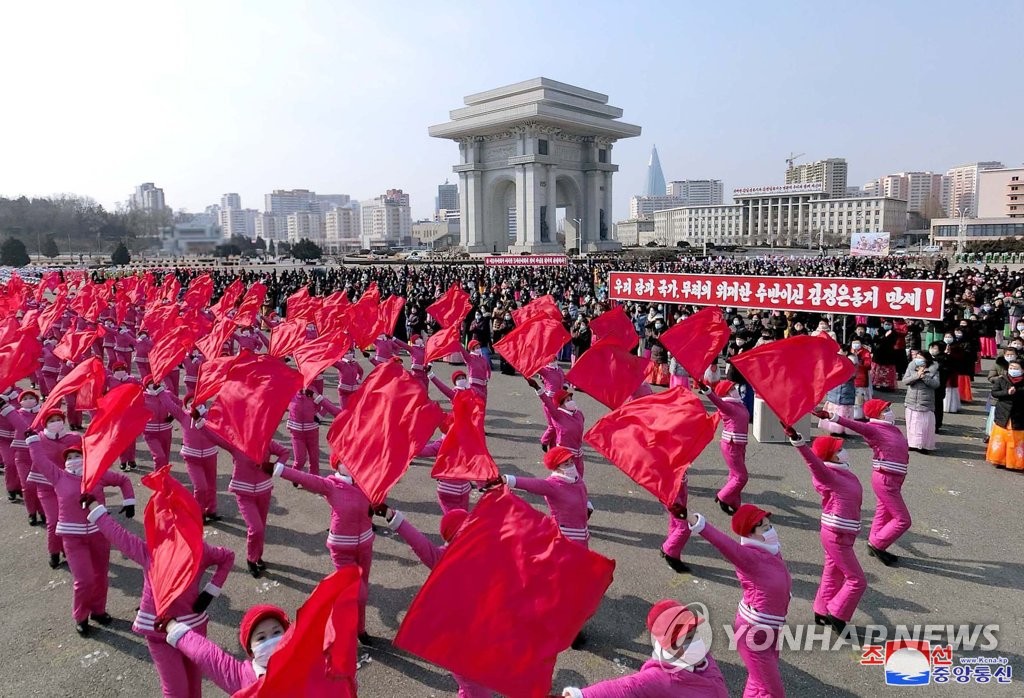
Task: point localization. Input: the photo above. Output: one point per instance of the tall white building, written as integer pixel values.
(962, 188)
(645, 206)
(305, 225)
(386, 220)
(830, 173)
(342, 230)
(1001, 193)
(271, 227)
(231, 201)
(282, 202)
(921, 190)
(238, 221)
(697, 192)
(148, 197)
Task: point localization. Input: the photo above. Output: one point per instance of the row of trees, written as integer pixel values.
(13, 253)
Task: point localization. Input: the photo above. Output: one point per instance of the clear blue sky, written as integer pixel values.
(210, 97)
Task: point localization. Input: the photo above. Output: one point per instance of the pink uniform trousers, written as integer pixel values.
(74, 414)
(172, 380)
(254, 509)
(735, 455)
(48, 501)
(159, 444)
(306, 449)
(892, 518)
(763, 677)
(179, 676)
(46, 381)
(548, 437)
(361, 555)
(842, 579)
(202, 472)
(678, 529)
(89, 560)
(453, 494)
(23, 464)
(129, 453)
(12, 481)
(109, 356)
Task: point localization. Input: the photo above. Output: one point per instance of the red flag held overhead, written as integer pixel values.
(614, 326)
(543, 307)
(451, 308)
(608, 372)
(697, 340)
(85, 381)
(528, 347)
(120, 417)
(463, 454)
(174, 538)
(442, 343)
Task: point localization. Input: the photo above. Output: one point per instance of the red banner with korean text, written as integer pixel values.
(906, 298)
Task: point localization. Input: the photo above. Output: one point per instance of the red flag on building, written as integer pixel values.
(498, 607)
(385, 423)
(614, 326)
(451, 308)
(528, 347)
(251, 401)
(697, 340)
(168, 350)
(793, 375)
(608, 372)
(313, 358)
(18, 358)
(442, 343)
(120, 417)
(85, 381)
(654, 439)
(543, 307)
(174, 538)
(463, 454)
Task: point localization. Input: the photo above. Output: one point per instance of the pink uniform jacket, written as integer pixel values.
(228, 673)
(448, 392)
(654, 680)
(568, 425)
(350, 375)
(888, 444)
(383, 350)
(840, 492)
(350, 509)
(553, 378)
(567, 500)
(303, 411)
(247, 479)
(428, 553)
(416, 355)
(478, 368)
(735, 418)
(53, 446)
(134, 548)
(195, 443)
(160, 421)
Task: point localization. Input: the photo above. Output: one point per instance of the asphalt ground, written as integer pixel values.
(960, 563)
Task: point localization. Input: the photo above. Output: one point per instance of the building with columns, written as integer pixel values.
(535, 147)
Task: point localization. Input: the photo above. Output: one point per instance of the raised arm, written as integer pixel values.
(130, 545)
(42, 461)
(313, 483)
(325, 406)
(428, 553)
(533, 485)
(819, 470)
(401, 345)
(223, 559)
(230, 674)
(741, 557)
(445, 390)
(282, 453)
(120, 481)
(174, 406)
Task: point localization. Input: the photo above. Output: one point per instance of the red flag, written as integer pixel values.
(331, 312)
(451, 308)
(287, 337)
(793, 375)
(251, 304)
(697, 340)
(315, 357)
(543, 307)
(49, 317)
(212, 345)
(170, 288)
(158, 319)
(528, 347)
(199, 293)
(361, 318)
(463, 454)
(442, 343)
(50, 280)
(168, 351)
(212, 374)
(199, 321)
(654, 439)
(228, 299)
(614, 326)
(316, 657)
(301, 306)
(174, 538)
(120, 417)
(497, 609)
(385, 423)
(372, 293)
(608, 372)
(86, 381)
(387, 314)
(18, 358)
(73, 344)
(250, 402)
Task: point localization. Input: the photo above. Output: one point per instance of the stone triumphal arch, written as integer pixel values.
(527, 150)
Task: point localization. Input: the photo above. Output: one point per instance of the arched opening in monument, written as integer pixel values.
(500, 231)
(568, 214)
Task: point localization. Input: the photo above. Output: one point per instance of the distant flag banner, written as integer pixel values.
(527, 260)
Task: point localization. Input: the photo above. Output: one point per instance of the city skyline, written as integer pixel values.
(198, 135)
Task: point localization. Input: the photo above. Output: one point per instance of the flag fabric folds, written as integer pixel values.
(211, 346)
(528, 347)
(793, 375)
(120, 417)
(174, 538)
(463, 454)
(18, 358)
(251, 304)
(85, 381)
(498, 607)
(654, 439)
(73, 344)
(287, 337)
(212, 374)
(451, 308)
(387, 314)
(168, 350)
(543, 307)
(614, 326)
(608, 372)
(697, 340)
(314, 357)
(442, 343)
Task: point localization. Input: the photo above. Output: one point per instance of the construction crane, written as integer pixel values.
(792, 157)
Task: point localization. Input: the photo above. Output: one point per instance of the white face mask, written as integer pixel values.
(569, 472)
(855, 346)
(740, 342)
(120, 375)
(889, 417)
(771, 536)
(73, 465)
(570, 405)
(462, 383)
(842, 457)
(261, 651)
(418, 343)
(350, 356)
(246, 333)
(56, 427)
(691, 656)
(29, 404)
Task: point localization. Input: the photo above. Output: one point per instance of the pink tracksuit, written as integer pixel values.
(889, 469)
(568, 428)
(656, 680)
(50, 370)
(11, 479)
(53, 446)
(383, 350)
(143, 345)
(566, 498)
(417, 365)
(762, 611)
(179, 677)
(20, 419)
(305, 429)
(451, 494)
(252, 489)
(448, 392)
(350, 538)
(109, 357)
(842, 579)
(87, 551)
(229, 674)
(252, 342)
(192, 363)
(430, 554)
(350, 375)
(70, 400)
(157, 433)
(124, 344)
(553, 378)
(735, 433)
(199, 454)
(479, 370)
(678, 529)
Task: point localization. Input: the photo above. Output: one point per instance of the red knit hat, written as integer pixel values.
(253, 617)
(560, 396)
(723, 387)
(746, 518)
(473, 344)
(456, 375)
(70, 449)
(556, 456)
(874, 408)
(119, 366)
(826, 447)
(668, 620)
(451, 522)
(28, 393)
(52, 412)
(414, 338)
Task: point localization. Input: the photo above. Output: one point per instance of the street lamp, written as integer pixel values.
(961, 214)
(579, 235)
